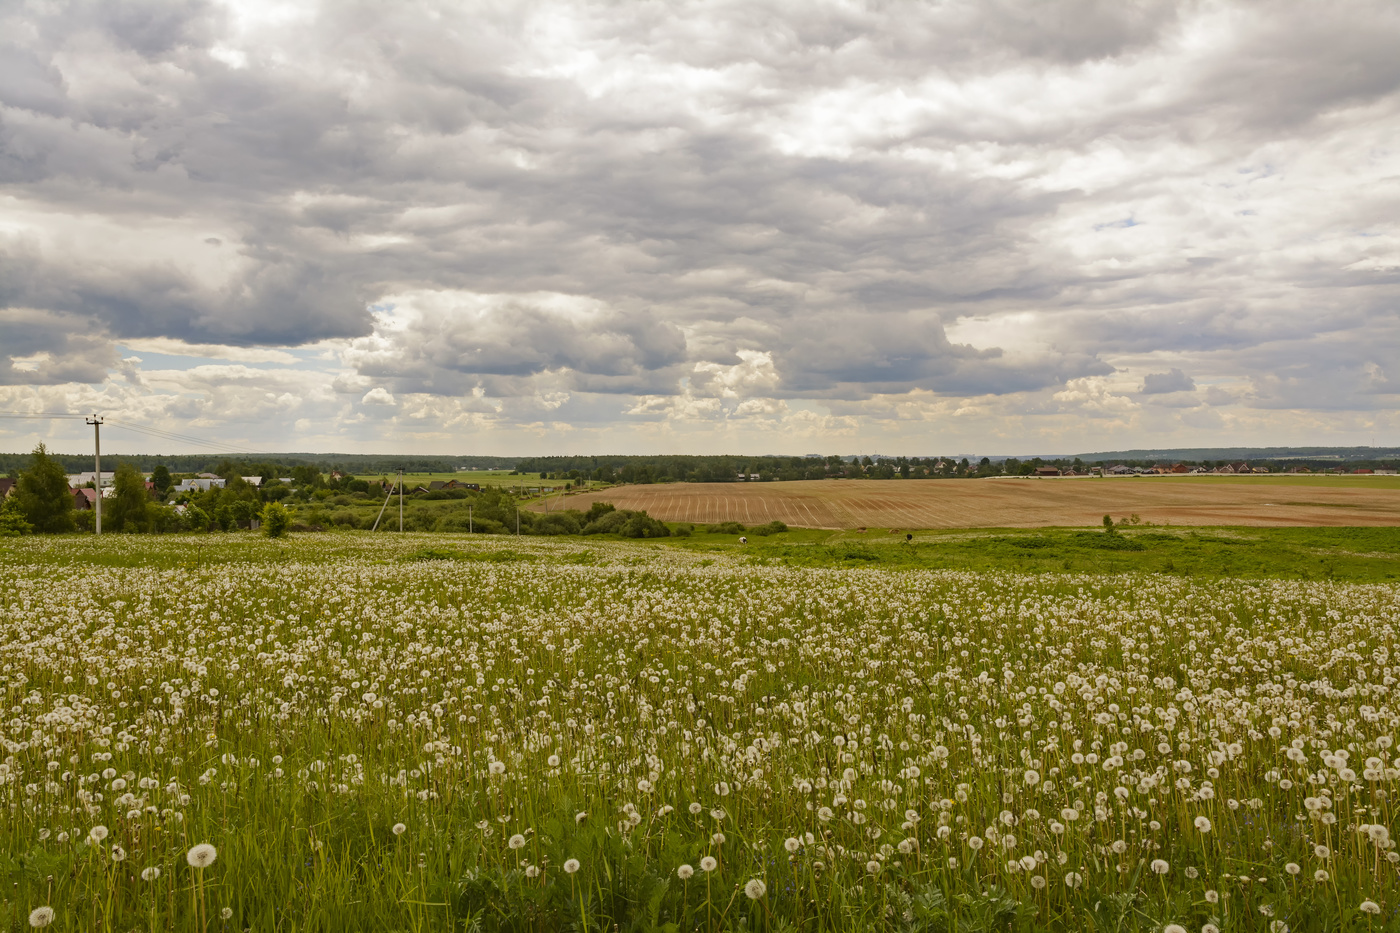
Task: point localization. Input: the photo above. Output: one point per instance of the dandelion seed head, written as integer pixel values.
(202, 855)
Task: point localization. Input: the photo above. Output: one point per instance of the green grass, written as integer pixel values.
(361, 724)
(1353, 554)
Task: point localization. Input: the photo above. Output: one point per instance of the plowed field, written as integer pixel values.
(1010, 503)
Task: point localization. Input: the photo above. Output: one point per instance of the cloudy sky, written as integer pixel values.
(512, 227)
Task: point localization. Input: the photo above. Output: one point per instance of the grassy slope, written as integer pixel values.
(1353, 554)
(1363, 555)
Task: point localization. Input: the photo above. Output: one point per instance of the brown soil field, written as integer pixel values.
(1006, 503)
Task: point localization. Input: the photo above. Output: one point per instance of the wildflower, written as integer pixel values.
(150, 874)
(1293, 868)
(792, 845)
(1173, 928)
(1370, 907)
(684, 872)
(1210, 928)
(695, 809)
(975, 843)
(1212, 897)
(226, 913)
(825, 815)
(570, 866)
(517, 841)
(1322, 851)
(97, 834)
(118, 854)
(497, 767)
(708, 863)
(399, 829)
(1073, 879)
(202, 855)
(1203, 824)
(41, 916)
(755, 889)
(1160, 866)
(1032, 777)
(1038, 882)
(717, 814)
(554, 761)
(1069, 814)
(873, 867)
(580, 816)
(1320, 875)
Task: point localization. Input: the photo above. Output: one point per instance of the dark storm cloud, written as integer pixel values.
(829, 184)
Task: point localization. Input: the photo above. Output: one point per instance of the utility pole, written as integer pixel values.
(400, 500)
(96, 423)
(470, 529)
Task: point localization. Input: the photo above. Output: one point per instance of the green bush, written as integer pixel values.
(275, 519)
(12, 521)
(774, 527)
(725, 528)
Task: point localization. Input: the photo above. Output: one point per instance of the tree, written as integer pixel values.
(12, 521)
(129, 507)
(43, 494)
(275, 519)
(160, 479)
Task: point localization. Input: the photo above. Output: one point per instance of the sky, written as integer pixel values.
(519, 228)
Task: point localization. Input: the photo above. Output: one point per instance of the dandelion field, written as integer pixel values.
(343, 733)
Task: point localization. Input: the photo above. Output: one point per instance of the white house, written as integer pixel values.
(203, 485)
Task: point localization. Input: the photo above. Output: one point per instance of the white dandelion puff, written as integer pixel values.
(755, 889)
(41, 916)
(571, 866)
(708, 863)
(202, 855)
(685, 872)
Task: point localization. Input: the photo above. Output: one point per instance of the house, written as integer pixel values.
(202, 484)
(1240, 467)
(253, 481)
(7, 486)
(82, 479)
(1119, 469)
(1300, 468)
(336, 474)
(84, 499)
(1362, 471)
(436, 484)
(1047, 471)
(1096, 471)
(1181, 468)
(474, 487)
(1379, 471)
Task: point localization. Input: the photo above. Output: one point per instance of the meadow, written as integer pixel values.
(430, 732)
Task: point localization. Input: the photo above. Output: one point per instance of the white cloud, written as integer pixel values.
(967, 220)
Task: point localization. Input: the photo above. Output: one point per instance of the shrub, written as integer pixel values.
(774, 527)
(275, 519)
(725, 528)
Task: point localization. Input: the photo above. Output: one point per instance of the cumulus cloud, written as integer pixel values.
(592, 214)
(1162, 383)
